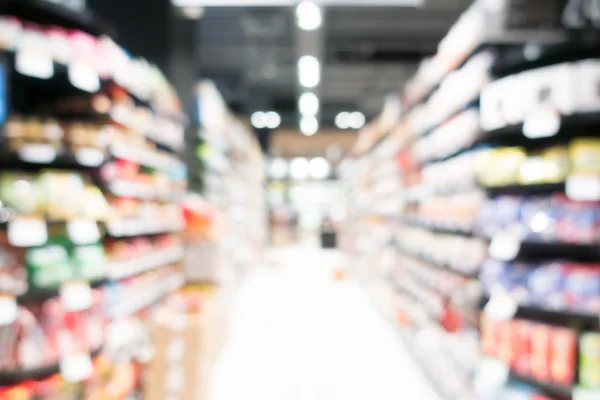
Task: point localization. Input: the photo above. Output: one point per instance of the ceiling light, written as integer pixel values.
(278, 168)
(319, 168)
(193, 12)
(259, 120)
(299, 168)
(272, 120)
(309, 71)
(308, 104)
(357, 120)
(309, 125)
(342, 120)
(308, 16)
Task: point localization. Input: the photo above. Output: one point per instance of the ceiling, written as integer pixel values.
(367, 52)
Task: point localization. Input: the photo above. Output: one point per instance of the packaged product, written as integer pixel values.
(89, 262)
(13, 275)
(62, 193)
(548, 166)
(93, 204)
(60, 46)
(541, 336)
(582, 287)
(11, 30)
(19, 193)
(545, 286)
(522, 348)
(22, 344)
(500, 167)
(575, 222)
(564, 356)
(48, 266)
(585, 156)
(589, 360)
(19, 392)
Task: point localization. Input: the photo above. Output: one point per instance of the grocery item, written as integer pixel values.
(499, 167)
(13, 276)
(19, 193)
(585, 156)
(589, 360)
(89, 262)
(48, 266)
(61, 194)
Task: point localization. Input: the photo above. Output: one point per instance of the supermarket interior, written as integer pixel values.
(299, 199)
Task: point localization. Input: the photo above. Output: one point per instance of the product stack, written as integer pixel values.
(495, 284)
(235, 183)
(90, 186)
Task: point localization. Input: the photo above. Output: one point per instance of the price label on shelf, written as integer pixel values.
(27, 232)
(35, 63)
(84, 77)
(76, 367)
(542, 124)
(583, 187)
(76, 296)
(505, 246)
(37, 153)
(89, 157)
(83, 231)
(9, 310)
(501, 306)
(586, 394)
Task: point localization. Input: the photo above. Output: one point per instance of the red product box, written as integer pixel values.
(540, 352)
(522, 347)
(564, 356)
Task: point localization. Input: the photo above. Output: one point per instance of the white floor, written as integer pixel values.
(297, 334)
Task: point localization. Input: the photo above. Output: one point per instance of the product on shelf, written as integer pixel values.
(589, 360)
(452, 212)
(459, 253)
(564, 286)
(545, 353)
(541, 219)
(457, 133)
(562, 89)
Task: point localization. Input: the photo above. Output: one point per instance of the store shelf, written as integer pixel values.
(44, 12)
(43, 156)
(142, 227)
(474, 102)
(556, 392)
(133, 305)
(513, 39)
(141, 156)
(142, 191)
(526, 190)
(155, 259)
(532, 250)
(562, 318)
(441, 266)
(571, 126)
(38, 295)
(437, 228)
(13, 378)
(524, 57)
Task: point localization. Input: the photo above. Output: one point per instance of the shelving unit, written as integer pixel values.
(539, 232)
(74, 181)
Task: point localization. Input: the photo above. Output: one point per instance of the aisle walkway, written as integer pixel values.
(299, 335)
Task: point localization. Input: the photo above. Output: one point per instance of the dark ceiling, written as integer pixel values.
(251, 54)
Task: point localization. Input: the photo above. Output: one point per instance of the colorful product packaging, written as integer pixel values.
(589, 361)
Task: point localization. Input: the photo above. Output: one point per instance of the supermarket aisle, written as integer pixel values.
(299, 335)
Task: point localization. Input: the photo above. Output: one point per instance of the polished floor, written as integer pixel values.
(298, 334)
